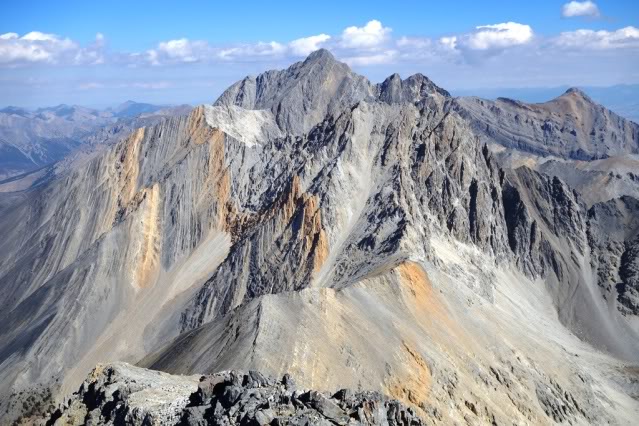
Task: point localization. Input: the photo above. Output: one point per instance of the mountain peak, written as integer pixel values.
(417, 87)
(14, 110)
(575, 91)
(322, 55)
(301, 95)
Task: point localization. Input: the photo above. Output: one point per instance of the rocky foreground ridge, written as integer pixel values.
(122, 394)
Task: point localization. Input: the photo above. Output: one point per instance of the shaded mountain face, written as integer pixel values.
(570, 126)
(614, 236)
(352, 234)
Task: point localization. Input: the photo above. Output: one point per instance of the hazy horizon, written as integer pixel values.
(621, 98)
(159, 53)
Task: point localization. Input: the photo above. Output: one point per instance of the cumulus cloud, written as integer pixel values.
(93, 54)
(414, 42)
(33, 47)
(185, 51)
(37, 47)
(497, 36)
(304, 46)
(384, 57)
(371, 35)
(368, 45)
(627, 37)
(449, 43)
(180, 50)
(580, 8)
(250, 52)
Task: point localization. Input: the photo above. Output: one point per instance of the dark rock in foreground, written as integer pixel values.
(122, 394)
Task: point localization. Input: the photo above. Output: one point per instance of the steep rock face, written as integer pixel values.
(614, 238)
(538, 207)
(571, 125)
(302, 95)
(599, 180)
(379, 179)
(549, 230)
(130, 222)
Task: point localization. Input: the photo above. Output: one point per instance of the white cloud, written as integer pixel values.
(92, 54)
(580, 8)
(449, 43)
(414, 42)
(248, 52)
(368, 45)
(497, 36)
(9, 36)
(37, 47)
(627, 37)
(180, 50)
(306, 45)
(371, 35)
(385, 57)
(34, 47)
(184, 51)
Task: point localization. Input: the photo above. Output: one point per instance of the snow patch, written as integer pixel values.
(247, 126)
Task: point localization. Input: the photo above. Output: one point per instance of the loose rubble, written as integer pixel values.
(122, 394)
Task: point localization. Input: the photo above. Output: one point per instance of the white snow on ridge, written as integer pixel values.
(248, 126)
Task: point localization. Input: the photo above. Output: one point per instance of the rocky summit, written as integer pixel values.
(123, 394)
(448, 260)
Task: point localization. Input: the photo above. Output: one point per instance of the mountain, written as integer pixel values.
(571, 125)
(132, 108)
(32, 140)
(621, 98)
(354, 235)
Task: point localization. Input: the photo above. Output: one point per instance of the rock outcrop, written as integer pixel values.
(614, 238)
(122, 394)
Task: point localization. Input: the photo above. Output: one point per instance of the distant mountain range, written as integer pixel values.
(622, 99)
(132, 108)
(32, 139)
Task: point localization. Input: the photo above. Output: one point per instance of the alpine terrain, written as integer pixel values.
(313, 248)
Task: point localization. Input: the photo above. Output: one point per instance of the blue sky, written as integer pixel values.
(99, 53)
